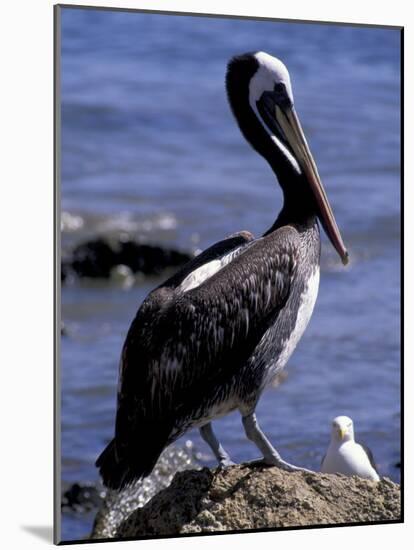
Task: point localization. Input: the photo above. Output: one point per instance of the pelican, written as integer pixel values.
(212, 337)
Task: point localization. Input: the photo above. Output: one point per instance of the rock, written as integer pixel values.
(116, 507)
(123, 276)
(149, 259)
(63, 329)
(93, 259)
(256, 497)
(81, 497)
(97, 258)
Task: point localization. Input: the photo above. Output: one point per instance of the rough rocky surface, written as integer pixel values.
(256, 497)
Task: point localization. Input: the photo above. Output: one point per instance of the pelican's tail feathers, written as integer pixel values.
(118, 472)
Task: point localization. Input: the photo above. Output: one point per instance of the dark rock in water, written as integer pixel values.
(149, 259)
(64, 270)
(93, 259)
(81, 498)
(96, 258)
(258, 497)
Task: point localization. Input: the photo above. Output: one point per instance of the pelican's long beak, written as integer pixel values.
(289, 122)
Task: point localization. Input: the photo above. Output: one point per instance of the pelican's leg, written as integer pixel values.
(270, 455)
(209, 437)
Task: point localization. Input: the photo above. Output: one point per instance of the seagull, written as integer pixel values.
(345, 456)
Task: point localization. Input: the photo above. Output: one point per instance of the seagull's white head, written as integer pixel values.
(342, 429)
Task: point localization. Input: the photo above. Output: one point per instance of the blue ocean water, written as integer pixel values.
(149, 147)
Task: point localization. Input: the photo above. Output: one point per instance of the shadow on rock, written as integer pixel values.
(173, 507)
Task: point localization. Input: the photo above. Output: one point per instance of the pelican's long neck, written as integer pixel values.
(298, 200)
(299, 204)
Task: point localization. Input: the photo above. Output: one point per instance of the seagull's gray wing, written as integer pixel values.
(370, 456)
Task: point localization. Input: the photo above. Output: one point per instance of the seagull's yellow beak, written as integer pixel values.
(343, 432)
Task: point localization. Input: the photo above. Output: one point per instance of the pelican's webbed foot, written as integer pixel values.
(270, 456)
(226, 462)
(210, 438)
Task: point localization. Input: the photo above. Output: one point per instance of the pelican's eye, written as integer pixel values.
(281, 96)
(266, 107)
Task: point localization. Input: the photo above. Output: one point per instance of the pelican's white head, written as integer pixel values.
(342, 429)
(271, 72)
